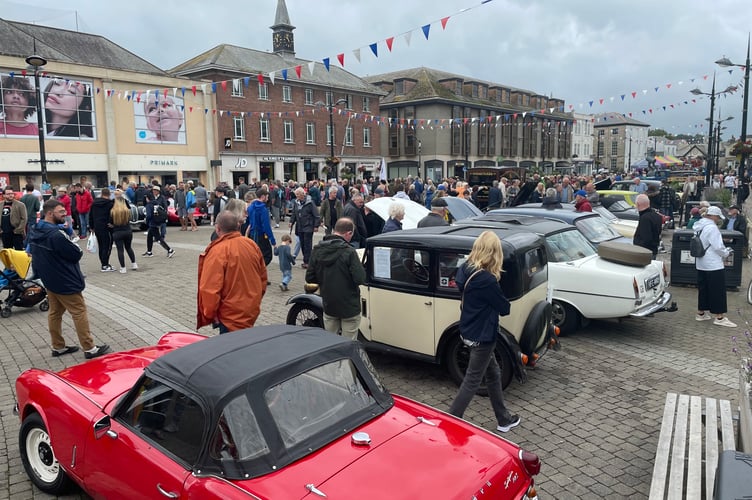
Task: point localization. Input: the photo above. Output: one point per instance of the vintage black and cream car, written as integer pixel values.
(410, 302)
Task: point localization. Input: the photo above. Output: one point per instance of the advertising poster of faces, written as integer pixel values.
(67, 107)
(159, 118)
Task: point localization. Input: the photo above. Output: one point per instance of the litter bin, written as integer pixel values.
(683, 270)
(733, 477)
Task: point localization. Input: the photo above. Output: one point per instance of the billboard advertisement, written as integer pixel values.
(159, 118)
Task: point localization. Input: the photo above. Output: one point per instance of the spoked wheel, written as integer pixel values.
(305, 315)
(749, 293)
(44, 305)
(39, 459)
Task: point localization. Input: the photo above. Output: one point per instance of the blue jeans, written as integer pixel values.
(286, 277)
(297, 247)
(83, 220)
(482, 362)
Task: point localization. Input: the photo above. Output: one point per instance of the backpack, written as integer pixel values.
(159, 215)
(695, 246)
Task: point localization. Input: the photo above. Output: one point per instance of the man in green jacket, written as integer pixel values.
(335, 267)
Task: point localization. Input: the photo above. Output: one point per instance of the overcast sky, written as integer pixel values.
(578, 50)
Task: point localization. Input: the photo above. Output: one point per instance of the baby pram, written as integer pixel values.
(22, 292)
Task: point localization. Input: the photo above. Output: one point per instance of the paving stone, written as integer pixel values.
(592, 411)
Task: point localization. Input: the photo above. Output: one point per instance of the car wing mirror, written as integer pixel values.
(102, 427)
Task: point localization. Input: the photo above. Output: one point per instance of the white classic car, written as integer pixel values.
(615, 281)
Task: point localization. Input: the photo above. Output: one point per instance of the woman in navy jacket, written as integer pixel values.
(482, 303)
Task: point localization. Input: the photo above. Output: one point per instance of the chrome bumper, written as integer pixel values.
(657, 306)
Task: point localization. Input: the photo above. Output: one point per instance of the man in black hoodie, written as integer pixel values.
(56, 262)
(335, 267)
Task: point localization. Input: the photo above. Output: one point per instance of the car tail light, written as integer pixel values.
(665, 272)
(523, 358)
(636, 288)
(557, 330)
(530, 461)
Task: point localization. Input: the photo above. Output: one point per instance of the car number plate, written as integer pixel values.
(652, 282)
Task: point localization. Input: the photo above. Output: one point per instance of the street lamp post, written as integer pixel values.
(330, 108)
(37, 62)
(717, 140)
(629, 163)
(724, 62)
(712, 94)
(420, 159)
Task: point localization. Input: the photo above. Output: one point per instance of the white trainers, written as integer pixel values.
(703, 317)
(724, 322)
(134, 266)
(514, 421)
(122, 270)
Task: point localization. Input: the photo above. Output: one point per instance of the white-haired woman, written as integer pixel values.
(482, 303)
(396, 214)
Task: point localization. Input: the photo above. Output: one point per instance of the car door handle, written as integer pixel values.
(428, 303)
(166, 493)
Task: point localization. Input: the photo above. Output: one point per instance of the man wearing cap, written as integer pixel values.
(581, 203)
(736, 221)
(648, 232)
(711, 275)
(436, 217)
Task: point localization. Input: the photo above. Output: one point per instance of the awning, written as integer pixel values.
(668, 160)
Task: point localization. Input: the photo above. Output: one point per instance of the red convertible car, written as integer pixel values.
(274, 412)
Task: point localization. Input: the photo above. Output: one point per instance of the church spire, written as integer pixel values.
(282, 37)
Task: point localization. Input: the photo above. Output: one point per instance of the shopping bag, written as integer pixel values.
(91, 244)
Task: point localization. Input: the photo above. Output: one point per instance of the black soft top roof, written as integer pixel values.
(215, 367)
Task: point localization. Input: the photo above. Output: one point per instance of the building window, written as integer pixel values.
(288, 131)
(613, 164)
(263, 90)
(475, 90)
(237, 88)
(366, 104)
(614, 131)
(329, 99)
(309, 96)
(310, 133)
(286, 93)
(264, 130)
(614, 148)
(458, 87)
(399, 87)
(484, 92)
(366, 137)
(238, 125)
(349, 99)
(348, 136)
(328, 135)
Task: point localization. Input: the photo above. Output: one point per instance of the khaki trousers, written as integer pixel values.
(75, 305)
(347, 327)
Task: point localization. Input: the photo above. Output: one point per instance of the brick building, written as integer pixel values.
(273, 111)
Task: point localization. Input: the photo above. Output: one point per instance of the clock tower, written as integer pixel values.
(283, 41)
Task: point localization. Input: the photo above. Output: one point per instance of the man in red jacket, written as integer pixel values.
(84, 200)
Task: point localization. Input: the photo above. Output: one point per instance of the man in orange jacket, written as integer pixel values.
(231, 278)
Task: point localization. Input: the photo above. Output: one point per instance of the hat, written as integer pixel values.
(438, 202)
(580, 192)
(736, 207)
(441, 187)
(715, 211)
(694, 211)
(156, 188)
